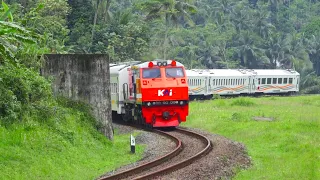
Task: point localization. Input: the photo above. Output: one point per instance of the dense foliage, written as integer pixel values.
(23, 92)
(207, 33)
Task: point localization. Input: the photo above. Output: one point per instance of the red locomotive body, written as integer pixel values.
(165, 96)
(154, 93)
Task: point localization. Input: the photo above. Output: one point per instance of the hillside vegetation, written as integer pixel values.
(41, 136)
(64, 146)
(281, 133)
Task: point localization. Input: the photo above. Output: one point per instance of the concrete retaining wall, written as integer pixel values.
(84, 77)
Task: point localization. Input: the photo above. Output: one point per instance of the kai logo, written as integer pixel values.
(165, 92)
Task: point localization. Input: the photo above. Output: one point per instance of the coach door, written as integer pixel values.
(208, 80)
(114, 90)
(254, 84)
(249, 84)
(298, 82)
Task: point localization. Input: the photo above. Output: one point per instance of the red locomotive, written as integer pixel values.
(152, 93)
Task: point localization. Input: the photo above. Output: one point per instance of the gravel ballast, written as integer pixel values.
(224, 158)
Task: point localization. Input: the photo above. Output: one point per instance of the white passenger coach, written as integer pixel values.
(204, 83)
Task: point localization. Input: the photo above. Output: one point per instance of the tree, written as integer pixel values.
(12, 36)
(171, 11)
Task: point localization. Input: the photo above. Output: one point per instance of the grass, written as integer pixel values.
(287, 147)
(67, 146)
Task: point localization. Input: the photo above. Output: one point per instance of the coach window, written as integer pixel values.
(290, 80)
(263, 81)
(213, 82)
(279, 80)
(268, 80)
(151, 73)
(274, 81)
(285, 80)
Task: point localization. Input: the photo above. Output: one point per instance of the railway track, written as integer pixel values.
(190, 146)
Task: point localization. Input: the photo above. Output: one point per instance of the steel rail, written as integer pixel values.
(184, 163)
(152, 163)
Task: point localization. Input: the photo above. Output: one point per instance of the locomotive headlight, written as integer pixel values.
(149, 104)
(181, 102)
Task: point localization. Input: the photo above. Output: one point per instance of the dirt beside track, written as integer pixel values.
(226, 156)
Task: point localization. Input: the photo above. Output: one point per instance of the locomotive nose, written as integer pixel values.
(165, 115)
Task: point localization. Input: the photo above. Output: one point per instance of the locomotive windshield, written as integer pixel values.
(174, 72)
(151, 73)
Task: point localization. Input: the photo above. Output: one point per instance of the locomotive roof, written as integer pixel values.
(116, 68)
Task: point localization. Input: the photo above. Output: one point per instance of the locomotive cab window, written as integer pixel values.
(174, 72)
(151, 73)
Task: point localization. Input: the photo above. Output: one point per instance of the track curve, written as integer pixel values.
(150, 164)
(171, 161)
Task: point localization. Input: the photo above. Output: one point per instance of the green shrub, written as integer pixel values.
(21, 89)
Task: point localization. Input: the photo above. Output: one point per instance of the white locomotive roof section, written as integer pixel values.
(275, 72)
(146, 64)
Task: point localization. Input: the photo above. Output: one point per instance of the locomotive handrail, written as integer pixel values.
(125, 91)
